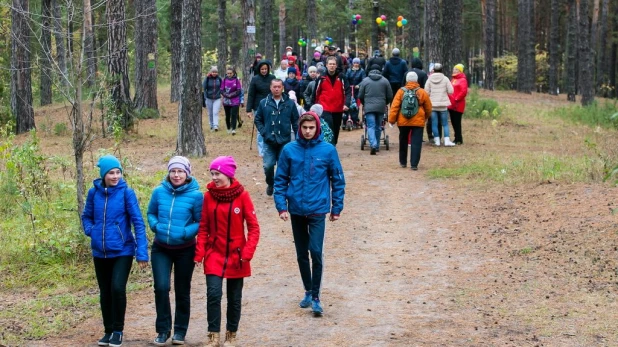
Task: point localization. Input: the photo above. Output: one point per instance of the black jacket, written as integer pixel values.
(259, 87)
(395, 70)
(275, 123)
(417, 66)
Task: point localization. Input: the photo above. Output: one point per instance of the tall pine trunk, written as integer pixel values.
(433, 53)
(312, 19)
(490, 43)
(414, 32)
(554, 46)
(248, 42)
(613, 60)
(375, 31)
(146, 56)
(175, 47)
(221, 36)
(61, 53)
(190, 132)
(572, 46)
(586, 73)
(21, 83)
(452, 24)
(235, 44)
(88, 42)
(117, 63)
(602, 63)
(282, 28)
(526, 38)
(45, 57)
(269, 30)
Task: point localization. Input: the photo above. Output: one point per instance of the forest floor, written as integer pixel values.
(414, 260)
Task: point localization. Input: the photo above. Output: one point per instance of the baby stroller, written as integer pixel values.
(383, 137)
(349, 124)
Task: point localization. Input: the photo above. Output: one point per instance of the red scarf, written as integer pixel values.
(226, 194)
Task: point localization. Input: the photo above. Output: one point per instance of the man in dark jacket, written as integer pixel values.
(275, 116)
(377, 59)
(375, 94)
(395, 70)
(258, 90)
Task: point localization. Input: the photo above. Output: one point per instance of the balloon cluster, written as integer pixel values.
(328, 41)
(401, 21)
(381, 21)
(302, 42)
(356, 19)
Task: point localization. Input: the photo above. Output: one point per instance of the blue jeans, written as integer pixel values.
(374, 128)
(443, 120)
(112, 276)
(214, 293)
(259, 139)
(163, 259)
(271, 156)
(309, 239)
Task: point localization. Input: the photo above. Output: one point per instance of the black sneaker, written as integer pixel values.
(373, 151)
(104, 341)
(178, 339)
(270, 190)
(414, 168)
(402, 165)
(161, 339)
(115, 340)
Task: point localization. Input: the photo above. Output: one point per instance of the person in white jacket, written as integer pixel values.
(439, 88)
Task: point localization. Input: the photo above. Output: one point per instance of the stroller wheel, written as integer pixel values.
(386, 143)
(362, 142)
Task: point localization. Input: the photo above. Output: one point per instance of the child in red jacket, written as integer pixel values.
(223, 247)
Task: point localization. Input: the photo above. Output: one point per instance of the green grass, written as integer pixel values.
(601, 114)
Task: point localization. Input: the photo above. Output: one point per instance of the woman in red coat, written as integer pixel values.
(223, 247)
(458, 101)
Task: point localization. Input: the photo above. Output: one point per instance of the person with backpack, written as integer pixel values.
(212, 97)
(374, 94)
(231, 91)
(439, 88)
(410, 110)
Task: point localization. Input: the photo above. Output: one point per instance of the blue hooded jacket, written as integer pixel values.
(174, 213)
(107, 219)
(309, 178)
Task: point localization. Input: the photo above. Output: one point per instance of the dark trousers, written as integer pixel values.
(395, 87)
(214, 292)
(456, 122)
(333, 119)
(415, 147)
(309, 239)
(270, 159)
(181, 260)
(430, 134)
(231, 116)
(112, 276)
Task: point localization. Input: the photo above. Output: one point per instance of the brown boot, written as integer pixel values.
(213, 339)
(230, 339)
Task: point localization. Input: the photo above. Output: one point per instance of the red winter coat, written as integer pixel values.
(460, 90)
(332, 97)
(221, 239)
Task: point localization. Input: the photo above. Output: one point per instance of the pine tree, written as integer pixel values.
(21, 84)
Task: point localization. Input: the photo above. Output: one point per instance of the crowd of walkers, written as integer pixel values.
(298, 109)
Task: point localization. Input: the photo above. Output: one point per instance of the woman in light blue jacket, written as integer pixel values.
(174, 214)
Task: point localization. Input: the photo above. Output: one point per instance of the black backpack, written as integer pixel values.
(409, 104)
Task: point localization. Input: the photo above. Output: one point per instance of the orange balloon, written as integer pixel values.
(399, 18)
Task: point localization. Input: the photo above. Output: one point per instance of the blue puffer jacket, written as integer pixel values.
(174, 213)
(306, 170)
(107, 220)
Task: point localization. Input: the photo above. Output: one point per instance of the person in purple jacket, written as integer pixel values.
(231, 91)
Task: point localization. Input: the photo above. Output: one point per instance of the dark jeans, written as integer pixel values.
(456, 122)
(163, 259)
(231, 116)
(112, 276)
(429, 126)
(395, 86)
(333, 119)
(415, 148)
(271, 156)
(309, 238)
(214, 292)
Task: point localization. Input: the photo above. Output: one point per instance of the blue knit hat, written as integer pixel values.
(292, 70)
(107, 163)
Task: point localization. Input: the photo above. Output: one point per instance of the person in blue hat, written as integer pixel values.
(111, 209)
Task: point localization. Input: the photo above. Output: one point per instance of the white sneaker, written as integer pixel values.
(229, 131)
(448, 143)
(436, 141)
(233, 132)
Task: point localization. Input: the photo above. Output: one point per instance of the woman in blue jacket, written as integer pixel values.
(174, 214)
(111, 208)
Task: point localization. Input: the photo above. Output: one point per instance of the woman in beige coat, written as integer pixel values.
(439, 88)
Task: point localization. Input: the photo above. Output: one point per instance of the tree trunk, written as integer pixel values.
(602, 62)
(585, 55)
(571, 67)
(415, 32)
(190, 133)
(117, 63)
(248, 42)
(282, 19)
(21, 84)
(312, 18)
(175, 47)
(45, 57)
(269, 31)
(452, 27)
(490, 35)
(554, 46)
(525, 37)
(594, 40)
(433, 53)
(146, 56)
(235, 44)
(613, 62)
(375, 29)
(60, 48)
(221, 36)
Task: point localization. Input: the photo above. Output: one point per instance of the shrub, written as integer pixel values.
(477, 107)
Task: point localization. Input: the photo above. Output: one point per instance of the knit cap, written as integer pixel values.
(292, 70)
(179, 162)
(396, 52)
(107, 163)
(317, 108)
(355, 61)
(258, 55)
(411, 77)
(312, 68)
(437, 67)
(460, 67)
(225, 165)
(317, 55)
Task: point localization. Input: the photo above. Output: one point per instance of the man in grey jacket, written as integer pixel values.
(375, 94)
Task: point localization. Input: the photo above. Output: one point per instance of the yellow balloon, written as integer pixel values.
(378, 20)
(399, 24)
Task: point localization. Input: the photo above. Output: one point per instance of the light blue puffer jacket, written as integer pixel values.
(174, 213)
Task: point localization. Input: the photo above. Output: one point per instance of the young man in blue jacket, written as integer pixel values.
(308, 185)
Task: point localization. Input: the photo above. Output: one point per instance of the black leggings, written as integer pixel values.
(231, 116)
(456, 122)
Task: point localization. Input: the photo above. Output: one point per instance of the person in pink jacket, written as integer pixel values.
(458, 101)
(224, 248)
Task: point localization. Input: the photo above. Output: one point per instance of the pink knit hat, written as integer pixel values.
(225, 165)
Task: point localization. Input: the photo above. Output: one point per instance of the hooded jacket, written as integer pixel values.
(309, 94)
(221, 240)
(460, 90)
(375, 93)
(332, 96)
(395, 70)
(231, 90)
(424, 108)
(379, 60)
(174, 213)
(417, 66)
(309, 178)
(107, 219)
(291, 84)
(212, 87)
(439, 88)
(274, 121)
(259, 87)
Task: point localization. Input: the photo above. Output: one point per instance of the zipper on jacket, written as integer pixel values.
(169, 224)
(104, 220)
(227, 244)
(119, 231)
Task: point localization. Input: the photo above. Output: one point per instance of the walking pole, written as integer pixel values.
(251, 143)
